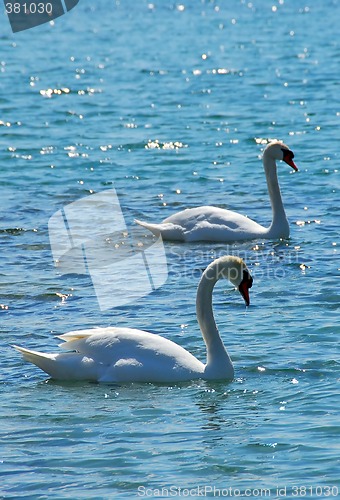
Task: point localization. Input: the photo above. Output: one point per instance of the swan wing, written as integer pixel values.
(206, 224)
(110, 344)
(214, 224)
(117, 355)
(134, 355)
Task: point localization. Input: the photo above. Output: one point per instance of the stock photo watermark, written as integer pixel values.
(265, 262)
(27, 14)
(294, 491)
(90, 236)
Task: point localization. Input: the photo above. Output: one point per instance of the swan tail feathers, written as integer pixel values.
(67, 366)
(154, 228)
(42, 360)
(167, 230)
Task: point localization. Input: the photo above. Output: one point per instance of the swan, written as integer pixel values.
(129, 355)
(217, 224)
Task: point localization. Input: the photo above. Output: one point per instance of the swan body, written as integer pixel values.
(130, 355)
(208, 223)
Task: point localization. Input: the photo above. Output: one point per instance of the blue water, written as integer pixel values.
(219, 79)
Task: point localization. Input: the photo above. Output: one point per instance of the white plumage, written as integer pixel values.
(126, 355)
(209, 223)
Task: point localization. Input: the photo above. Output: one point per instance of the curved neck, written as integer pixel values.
(218, 361)
(279, 226)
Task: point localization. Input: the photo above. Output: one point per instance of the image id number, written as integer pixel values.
(315, 491)
(29, 8)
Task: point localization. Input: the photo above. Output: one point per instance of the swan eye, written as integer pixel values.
(287, 153)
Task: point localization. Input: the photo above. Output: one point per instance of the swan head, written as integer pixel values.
(277, 150)
(235, 270)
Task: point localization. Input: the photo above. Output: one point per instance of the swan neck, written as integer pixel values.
(279, 226)
(217, 356)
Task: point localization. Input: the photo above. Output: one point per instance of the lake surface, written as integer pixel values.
(172, 104)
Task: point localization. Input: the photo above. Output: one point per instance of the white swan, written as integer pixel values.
(129, 355)
(217, 224)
